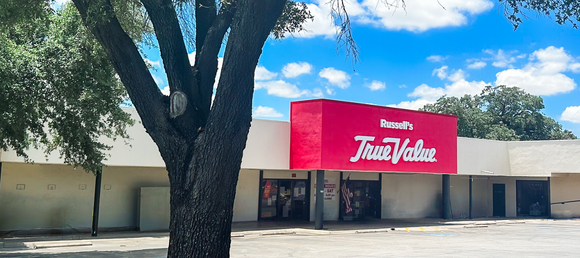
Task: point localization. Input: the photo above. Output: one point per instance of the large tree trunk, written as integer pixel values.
(202, 148)
(205, 202)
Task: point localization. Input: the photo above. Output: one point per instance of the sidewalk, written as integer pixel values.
(157, 240)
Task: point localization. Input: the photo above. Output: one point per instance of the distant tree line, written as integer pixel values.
(501, 113)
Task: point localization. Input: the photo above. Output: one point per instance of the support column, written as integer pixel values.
(96, 203)
(0, 175)
(549, 199)
(446, 197)
(319, 209)
(260, 194)
(470, 197)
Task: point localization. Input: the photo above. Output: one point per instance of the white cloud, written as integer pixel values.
(419, 16)
(423, 91)
(376, 85)
(543, 75)
(440, 72)
(262, 74)
(436, 58)
(322, 25)
(261, 111)
(462, 87)
(457, 76)
(575, 67)
(317, 93)
(412, 105)
(166, 91)
(293, 70)
(335, 77)
(571, 114)
(503, 59)
(158, 80)
(477, 65)
(429, 95)
(330, 91)
(458, 88)
(284, 89)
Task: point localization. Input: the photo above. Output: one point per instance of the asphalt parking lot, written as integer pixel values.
(543, 238)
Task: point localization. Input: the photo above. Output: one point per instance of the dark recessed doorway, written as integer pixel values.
(284, 199)
(499, 200)
(532, 198)
(365, 200)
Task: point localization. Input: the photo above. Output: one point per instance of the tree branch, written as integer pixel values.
(231, 114)
(205, 14)
(128, 63)
(176, 63)
(207, 60)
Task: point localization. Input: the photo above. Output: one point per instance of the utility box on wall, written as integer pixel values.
(154, 209)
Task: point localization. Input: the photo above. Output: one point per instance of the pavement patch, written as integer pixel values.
(278, 233)
(372, 231)
(439, 234)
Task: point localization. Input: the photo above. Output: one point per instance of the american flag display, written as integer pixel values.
(346, 194)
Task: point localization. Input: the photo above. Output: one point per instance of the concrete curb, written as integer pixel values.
(54, 244)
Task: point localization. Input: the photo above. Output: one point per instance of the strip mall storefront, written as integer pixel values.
(373, 163)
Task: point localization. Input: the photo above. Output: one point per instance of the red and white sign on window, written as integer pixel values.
(336, 135)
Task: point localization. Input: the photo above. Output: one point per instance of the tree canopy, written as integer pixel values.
(58, 91)
(501, 113)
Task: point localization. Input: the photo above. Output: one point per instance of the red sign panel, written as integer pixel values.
(336, 135)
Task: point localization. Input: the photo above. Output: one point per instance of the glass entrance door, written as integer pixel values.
(269, 199)
(283, 200)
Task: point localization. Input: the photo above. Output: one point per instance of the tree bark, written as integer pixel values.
(205, 202)
(203, 164)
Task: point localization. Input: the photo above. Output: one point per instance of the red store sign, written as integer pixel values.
(336, 135)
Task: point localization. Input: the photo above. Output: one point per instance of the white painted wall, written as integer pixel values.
(411, 196)
(541, 158)
(285, 174)
(268, 147)
(475, 155)
(565, 187)
(36, 207)
(247, 193)
(459, 196)
(120, 204)
(140, 150)
(331, 207)
(67, 206)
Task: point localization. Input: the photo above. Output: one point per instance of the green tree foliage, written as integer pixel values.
(501, 113)
(58, 90)
(563, 11)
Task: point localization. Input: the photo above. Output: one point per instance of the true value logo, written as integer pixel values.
(393, 152)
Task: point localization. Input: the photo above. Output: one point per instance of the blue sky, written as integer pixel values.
(412, 57)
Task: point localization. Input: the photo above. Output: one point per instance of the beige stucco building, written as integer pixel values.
(534, 178)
